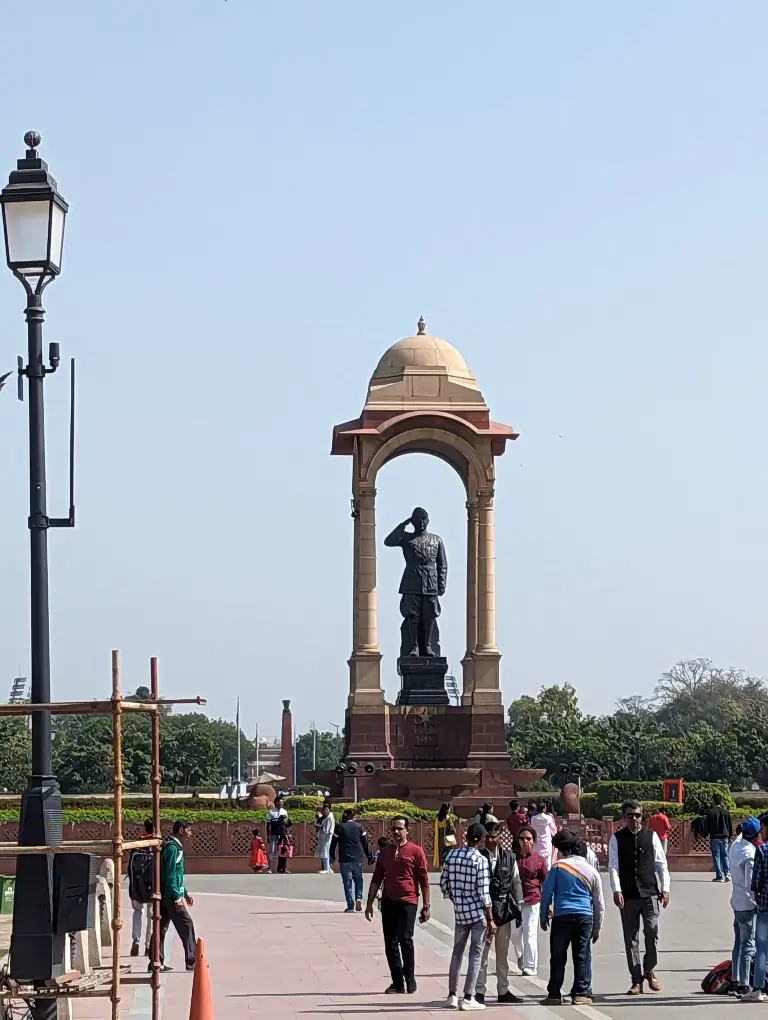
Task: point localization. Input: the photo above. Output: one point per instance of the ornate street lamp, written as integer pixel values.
(33, 226)
(33, 220)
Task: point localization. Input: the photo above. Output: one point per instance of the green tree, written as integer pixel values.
(82, 753)
(225, 735)
(189, 754)
(327, 751)
(705, 722)
(15, 754)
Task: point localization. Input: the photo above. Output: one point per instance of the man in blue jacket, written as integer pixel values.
(572, 900)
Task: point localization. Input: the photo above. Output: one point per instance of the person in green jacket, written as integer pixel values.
(174, 897)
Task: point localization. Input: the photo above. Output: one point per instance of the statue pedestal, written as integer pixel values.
(423, 681)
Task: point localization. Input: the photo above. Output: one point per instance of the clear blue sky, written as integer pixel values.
(264, 198)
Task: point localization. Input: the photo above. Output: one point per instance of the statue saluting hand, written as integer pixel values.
(424, 579)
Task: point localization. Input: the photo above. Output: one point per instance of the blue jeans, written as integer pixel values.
(761, 953)
(325, 864)
(743, 946)
(574, 930)
(718, 846)
(352, 880)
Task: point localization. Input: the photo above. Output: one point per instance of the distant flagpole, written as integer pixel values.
(256, 742)
(239, 763)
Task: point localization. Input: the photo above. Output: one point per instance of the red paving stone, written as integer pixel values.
(285, 959)
(299, 958)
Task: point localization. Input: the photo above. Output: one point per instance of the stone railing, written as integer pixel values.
(223, 847)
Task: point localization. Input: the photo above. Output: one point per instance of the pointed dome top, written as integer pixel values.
(422, 355)
(423, 370)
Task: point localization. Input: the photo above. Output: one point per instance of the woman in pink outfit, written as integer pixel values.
(544, 825)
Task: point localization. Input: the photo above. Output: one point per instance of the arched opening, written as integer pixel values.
(421, 479)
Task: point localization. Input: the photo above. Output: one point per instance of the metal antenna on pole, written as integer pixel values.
(239, 762)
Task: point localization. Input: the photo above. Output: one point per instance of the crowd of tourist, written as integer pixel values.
(511, 880)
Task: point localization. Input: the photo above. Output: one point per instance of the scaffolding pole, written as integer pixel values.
(116, 847)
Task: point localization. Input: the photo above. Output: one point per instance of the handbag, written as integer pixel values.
(449, 838)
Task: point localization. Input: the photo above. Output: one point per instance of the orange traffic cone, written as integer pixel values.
(201, 1005)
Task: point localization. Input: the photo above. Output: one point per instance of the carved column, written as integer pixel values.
(365, 662)
(367, 609)
(486, 571)
(472, 571)
(486, 665)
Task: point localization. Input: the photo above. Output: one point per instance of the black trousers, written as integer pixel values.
(398, 921)
(172, 914)
(574, 930)
(419, 633)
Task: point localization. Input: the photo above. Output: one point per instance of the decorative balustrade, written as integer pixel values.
(225, 846)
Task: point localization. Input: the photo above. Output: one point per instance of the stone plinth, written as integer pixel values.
(431, 754)
(423, 681)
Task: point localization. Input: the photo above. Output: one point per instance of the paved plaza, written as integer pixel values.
(282, 947)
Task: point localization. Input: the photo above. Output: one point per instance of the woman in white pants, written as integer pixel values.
(533, 870)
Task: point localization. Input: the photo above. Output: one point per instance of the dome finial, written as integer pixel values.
(421, 326)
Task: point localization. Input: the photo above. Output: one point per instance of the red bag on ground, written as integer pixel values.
(718, 980)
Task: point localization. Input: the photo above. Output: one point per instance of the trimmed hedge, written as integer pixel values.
(589, 805)
(300, 809)
(675, 812)
(378, 808)
(698, 796)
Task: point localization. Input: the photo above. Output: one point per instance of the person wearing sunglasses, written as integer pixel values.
(639, 877)
(401, 871)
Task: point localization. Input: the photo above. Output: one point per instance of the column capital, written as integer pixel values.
(472, 507)
(485, 497)
(365, 489)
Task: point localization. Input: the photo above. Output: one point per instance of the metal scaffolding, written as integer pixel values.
(76, 986)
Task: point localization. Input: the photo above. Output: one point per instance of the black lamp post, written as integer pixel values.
(33, 224)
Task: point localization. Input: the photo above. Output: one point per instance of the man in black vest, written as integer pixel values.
(507, 905)
(639, 876)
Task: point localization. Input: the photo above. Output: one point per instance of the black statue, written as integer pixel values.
(424, 577)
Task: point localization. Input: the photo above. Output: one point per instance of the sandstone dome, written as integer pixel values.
(422, 355)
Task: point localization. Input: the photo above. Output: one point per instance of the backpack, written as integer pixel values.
(718, 980)
(142, 873)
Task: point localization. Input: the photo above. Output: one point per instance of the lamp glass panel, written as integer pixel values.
(57, 234)
(26, 225)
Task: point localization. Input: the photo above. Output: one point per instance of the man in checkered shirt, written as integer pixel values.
(465, 881)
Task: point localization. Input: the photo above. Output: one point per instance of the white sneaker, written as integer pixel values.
(452, 1002)
(756, 995)
(471, 1004)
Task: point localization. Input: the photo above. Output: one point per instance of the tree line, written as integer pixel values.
(195, 751)
(703, 722)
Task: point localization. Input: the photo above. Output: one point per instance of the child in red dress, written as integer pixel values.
(258, 860)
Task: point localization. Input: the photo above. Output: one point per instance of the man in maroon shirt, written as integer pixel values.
(402, 870)
(518, 817)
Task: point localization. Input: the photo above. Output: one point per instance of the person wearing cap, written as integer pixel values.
(466, 882)
(760, 892)
(741, 858)
(572, 898)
